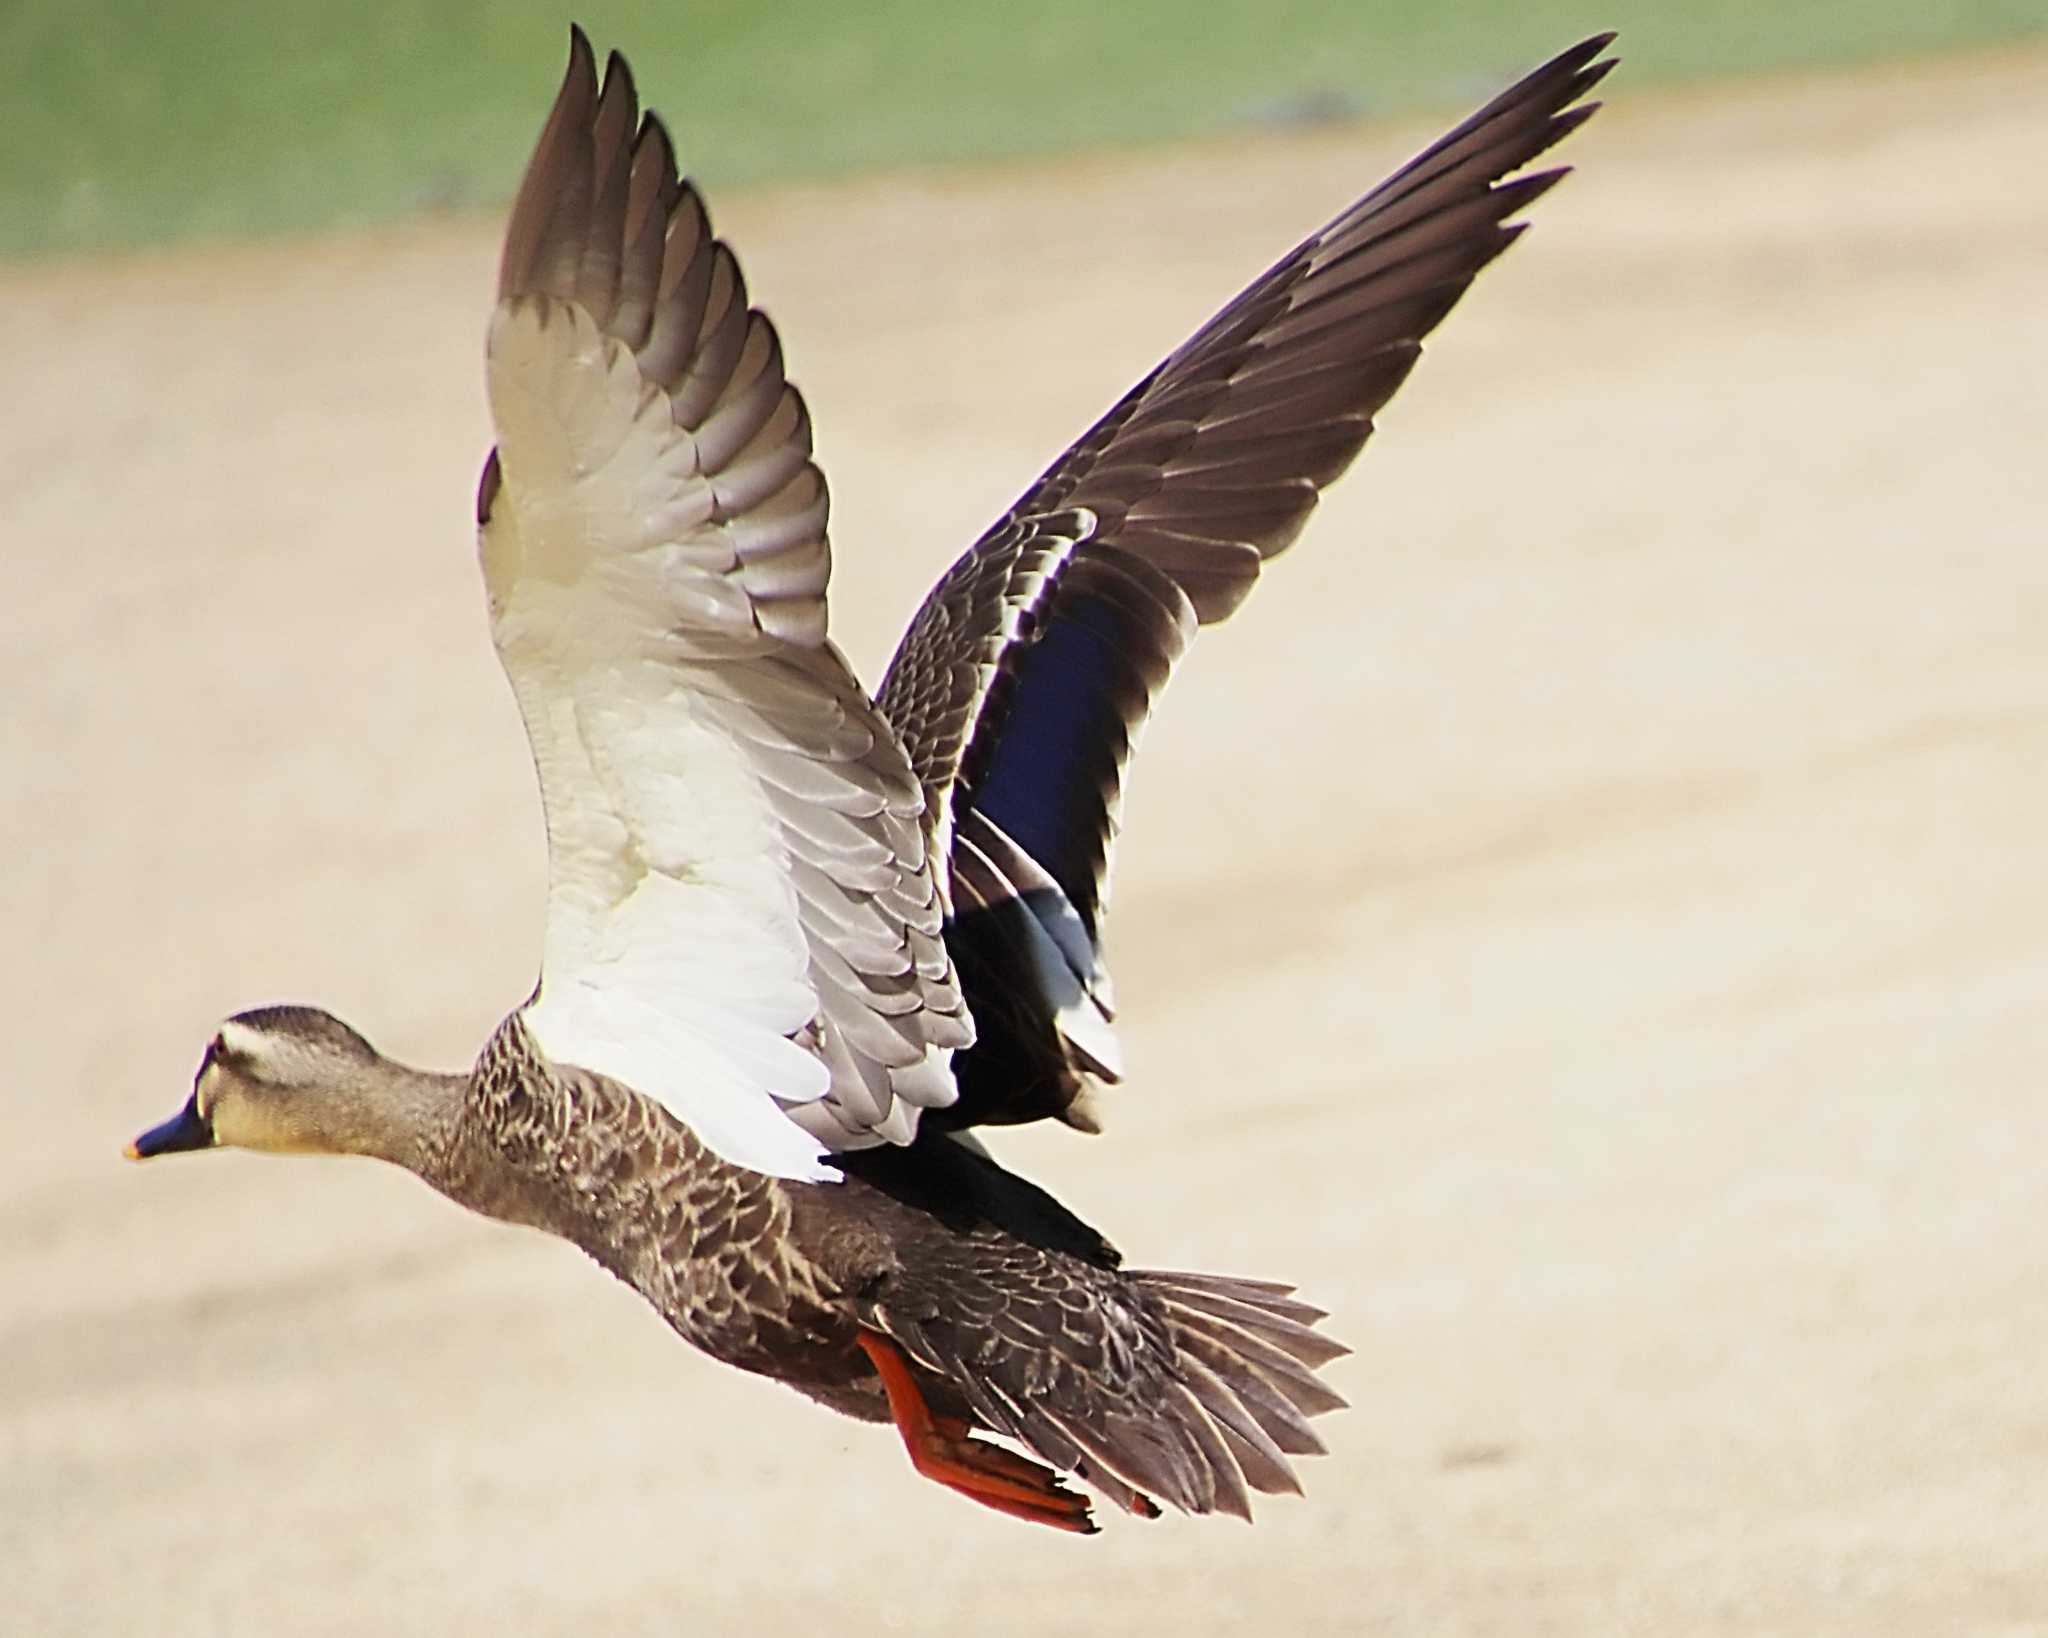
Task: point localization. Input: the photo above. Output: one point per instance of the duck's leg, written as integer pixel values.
(943, 1449)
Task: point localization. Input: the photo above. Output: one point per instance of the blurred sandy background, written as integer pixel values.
(1587, 920)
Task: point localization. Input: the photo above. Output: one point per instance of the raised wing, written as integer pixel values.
(1022, 682)
(742, 916)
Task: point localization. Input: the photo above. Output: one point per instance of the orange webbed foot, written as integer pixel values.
(945, 1451)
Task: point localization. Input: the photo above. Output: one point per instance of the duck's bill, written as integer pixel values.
(187, 1129)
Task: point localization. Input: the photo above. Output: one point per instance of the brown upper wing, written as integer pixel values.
(1021, 681)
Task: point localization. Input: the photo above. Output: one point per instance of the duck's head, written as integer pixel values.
(291, 1080)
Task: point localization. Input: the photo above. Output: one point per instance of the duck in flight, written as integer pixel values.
(802, 941)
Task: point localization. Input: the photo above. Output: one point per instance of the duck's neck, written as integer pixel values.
(409, 1118)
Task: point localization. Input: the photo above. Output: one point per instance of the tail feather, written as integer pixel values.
(1264, 1465)
(1283, 1353)
(1244, 1388)
(1229, 1284)
(1152, 1458)
(1222, 1489)
(1283, 1329)
(1261, 1296)
(1273, 1411)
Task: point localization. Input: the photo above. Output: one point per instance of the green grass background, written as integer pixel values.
(131, 121)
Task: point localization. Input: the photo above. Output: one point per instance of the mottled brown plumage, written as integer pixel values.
(1017, 1319)
(654, 539)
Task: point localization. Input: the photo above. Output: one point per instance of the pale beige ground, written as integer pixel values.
(1588, 921)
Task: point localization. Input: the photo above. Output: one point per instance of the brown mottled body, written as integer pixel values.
(709, 1244)
(1007, 1328)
